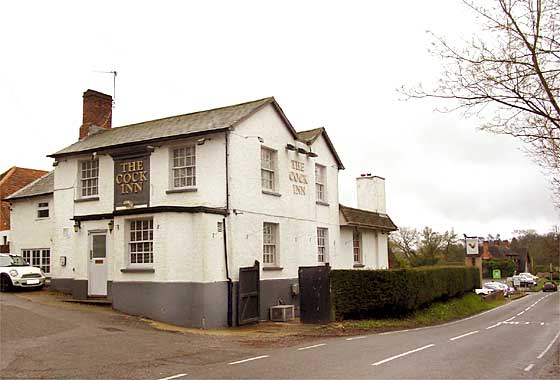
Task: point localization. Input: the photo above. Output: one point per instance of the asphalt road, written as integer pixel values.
(517, 341)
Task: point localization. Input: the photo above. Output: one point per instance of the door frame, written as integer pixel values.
(90, 259)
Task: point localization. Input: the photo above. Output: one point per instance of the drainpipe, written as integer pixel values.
(230, 282)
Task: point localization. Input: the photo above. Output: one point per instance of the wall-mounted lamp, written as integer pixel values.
(55, 163)
(290, 147)
(202, 140)
(77, 225)
(111, 225)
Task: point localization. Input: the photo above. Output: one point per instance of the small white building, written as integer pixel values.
(159, 216)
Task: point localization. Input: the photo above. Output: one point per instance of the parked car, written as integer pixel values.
(529, 275)
(15, 272)
(524, 280)
(484, 291)
(550, 286)
(495, 285)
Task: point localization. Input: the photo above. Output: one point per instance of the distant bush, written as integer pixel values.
(371, 293)
(506, 266)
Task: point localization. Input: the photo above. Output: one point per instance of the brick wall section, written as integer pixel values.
(13, 180)
(98, 110)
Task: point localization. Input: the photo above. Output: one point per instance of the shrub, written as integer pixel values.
(369, 293)
(506, 266)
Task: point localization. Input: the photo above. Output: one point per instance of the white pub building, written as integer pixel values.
(160, 216)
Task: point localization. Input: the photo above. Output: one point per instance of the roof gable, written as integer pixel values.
(367, 219)
(41, 186)
(310, 136)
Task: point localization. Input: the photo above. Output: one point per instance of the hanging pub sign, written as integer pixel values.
(472, 245)
(132, 181)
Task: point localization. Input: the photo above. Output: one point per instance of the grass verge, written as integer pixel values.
(436, 313)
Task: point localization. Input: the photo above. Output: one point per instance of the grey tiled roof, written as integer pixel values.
(311, 135)
(41, 186)
(367, 219)
(175, 126)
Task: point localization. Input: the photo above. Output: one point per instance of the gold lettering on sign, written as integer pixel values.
(297, 176)
(132, 177)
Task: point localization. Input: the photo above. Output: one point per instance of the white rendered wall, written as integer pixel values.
(27, 231)
(371, 194)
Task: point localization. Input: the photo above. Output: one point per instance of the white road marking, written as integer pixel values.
(542, 323)
(357, 337)
(248, 360)
(314, 346)
(496, 325)
(527, 323)
(464, 335)
(399, 331)
(548, 347)
(507, 320)
(528, 368)
(403, 354)
(529, 308)
(520, 313)
(174, 377)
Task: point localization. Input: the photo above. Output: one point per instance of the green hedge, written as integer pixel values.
(368, 293)
(506, 266)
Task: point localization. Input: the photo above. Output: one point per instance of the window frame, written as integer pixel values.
(322, 245)
(43, 256)
(322, 170)
(273, 169)
(43, 208)
(130, 241)
(359, 247)
(185, 167)
(85, 180)
(271, 244)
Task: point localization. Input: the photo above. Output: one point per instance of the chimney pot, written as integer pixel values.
(97, 110)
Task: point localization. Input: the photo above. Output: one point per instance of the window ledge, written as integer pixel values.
(359, 266)
(90, 199)
(272, 268)
(271, 193)
(323, 203)
(138, 270)
(185, 190)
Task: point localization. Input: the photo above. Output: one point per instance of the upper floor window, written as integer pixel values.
(43, 210)
(141, 242)
(357, 246)
(270, 238)
(322, 244)
(183, 167)
(268, 169)
(89, 178)
(320, 183)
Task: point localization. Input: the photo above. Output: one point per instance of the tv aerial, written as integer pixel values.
(114, 83)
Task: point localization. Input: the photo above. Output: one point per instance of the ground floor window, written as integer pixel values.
(269, 244)
(357, 246)
(141, 242)
(40, 258)
(322, 244)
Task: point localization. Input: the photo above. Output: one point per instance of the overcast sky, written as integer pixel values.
(336, 65)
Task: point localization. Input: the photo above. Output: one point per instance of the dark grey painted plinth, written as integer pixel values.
(77, 288)
(276, 292)
(202, 305)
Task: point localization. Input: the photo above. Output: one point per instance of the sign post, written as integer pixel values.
(472, 257)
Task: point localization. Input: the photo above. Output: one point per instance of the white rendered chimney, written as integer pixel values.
(371, 193)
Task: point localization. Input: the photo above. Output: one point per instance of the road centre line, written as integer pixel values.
(403, 354)
(464, 335)
(548, 347)
(357, 337)
(314, 346)
(507, 320)
(528, 368)
(248, 360)
(174, 377)
(520, 313)
(496, 325)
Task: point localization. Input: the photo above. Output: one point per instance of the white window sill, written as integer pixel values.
(357, 265)
(88, 199)
(273, 193)
(272, 268)
(40, 219)
(322, 203)
(137, 270)
(182, 190)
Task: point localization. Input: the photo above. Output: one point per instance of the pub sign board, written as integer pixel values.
(132, 181)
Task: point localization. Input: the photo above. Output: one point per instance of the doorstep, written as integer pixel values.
(91, 301)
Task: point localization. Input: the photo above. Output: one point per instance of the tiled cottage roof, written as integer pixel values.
(171, 127)
(366, 219)
(41, 186)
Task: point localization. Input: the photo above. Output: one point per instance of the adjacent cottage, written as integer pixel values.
(160, 216)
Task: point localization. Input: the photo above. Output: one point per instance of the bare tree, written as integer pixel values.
(406, 241)
(509, 75)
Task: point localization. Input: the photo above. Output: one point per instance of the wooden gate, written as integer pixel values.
(315, 294)
(248, 303)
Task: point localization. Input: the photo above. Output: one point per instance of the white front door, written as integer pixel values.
(97, 281)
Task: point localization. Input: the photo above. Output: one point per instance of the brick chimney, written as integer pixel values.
(98, 110)
(371, 193)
